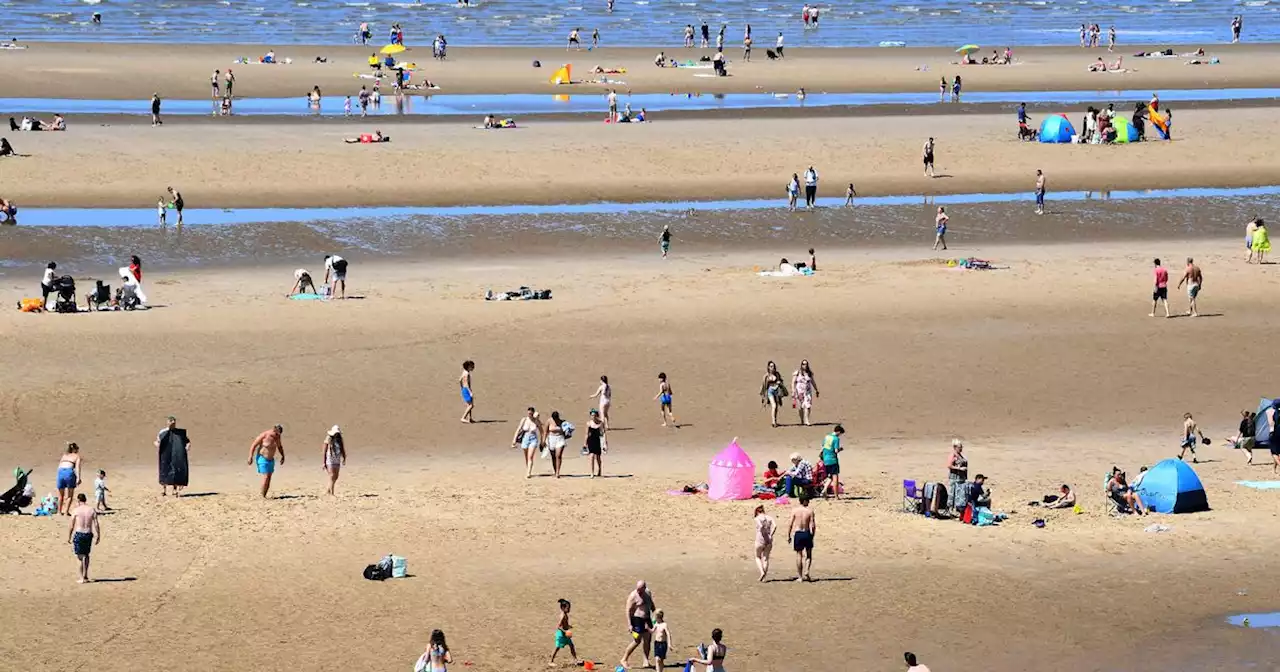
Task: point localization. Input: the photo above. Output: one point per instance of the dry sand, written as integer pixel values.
(118, 71)
(305, 163)
(1050, 370)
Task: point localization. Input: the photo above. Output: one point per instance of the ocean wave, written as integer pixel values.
(906, 9)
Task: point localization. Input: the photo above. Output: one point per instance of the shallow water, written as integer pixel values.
(517, 104)
(1267, 620)
(93, 240)
(637, 22)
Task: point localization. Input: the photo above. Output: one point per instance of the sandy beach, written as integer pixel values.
(1048, 368)
(908, 354)
(122, 71)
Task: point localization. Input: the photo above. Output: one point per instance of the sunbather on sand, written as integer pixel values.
(366, 138)
(1066, 500)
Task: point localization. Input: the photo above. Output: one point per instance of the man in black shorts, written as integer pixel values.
(1161, 292)
(640, 621)
(928, 158)
(800, 533)
(155, 110)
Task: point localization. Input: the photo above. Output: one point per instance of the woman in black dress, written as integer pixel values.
(595, 443)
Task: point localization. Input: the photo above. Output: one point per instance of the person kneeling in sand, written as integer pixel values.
(366, 138)
(1066, 500)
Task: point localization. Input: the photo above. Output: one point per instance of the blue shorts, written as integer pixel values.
(82, 542)
(802, 540)
(660, 650)
(266, 466)
(529, 441)
(466, 395)
(66, 478)
(665, 400)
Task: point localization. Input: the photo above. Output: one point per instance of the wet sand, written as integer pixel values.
(124, 71)
(1050, 370)
(303, 164)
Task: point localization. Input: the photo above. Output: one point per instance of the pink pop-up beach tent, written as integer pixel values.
(731, 474)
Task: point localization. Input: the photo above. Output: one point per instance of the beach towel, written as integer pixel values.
(307, 297)
(522, 294)
(1260, 485)
(788, 273)
(173, 457)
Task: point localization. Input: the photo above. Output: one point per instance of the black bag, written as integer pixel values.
(340, 266)
(377, 572)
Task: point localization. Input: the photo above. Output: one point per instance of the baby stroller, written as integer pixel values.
(12, 501)
(65, 287)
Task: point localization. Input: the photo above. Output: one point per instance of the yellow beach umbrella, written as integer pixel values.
(967, 49)
(397, 48)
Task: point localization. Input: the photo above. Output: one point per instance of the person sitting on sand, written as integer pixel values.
(366, 138)
(1125, 497)
(6, 149)
(1066, 500)
(8, 211)
(302, 283)
(270, 57)
(771, 475)
(489, 121)
(1098, 65)
(661, 59)
(13, 125)
(57, 124)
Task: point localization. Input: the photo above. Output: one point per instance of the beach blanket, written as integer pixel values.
(1260, 485)
(10, 45)
(173, 457)
(522, 294)
(786, 273)
(307, 297)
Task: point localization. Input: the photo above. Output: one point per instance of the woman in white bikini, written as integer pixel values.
(605, 394)
(334, 455)
(555, 441)
(772, 391)
(528, 436)
(804, 390)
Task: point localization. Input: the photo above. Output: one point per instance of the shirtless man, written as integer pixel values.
(640, 621)
(464, 387)
(1193, 279)
(800, 533)
(1190, 432)
(263, 453)
(83, 534)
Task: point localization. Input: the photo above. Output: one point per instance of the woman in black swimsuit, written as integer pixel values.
(177, 203)
(595, 443)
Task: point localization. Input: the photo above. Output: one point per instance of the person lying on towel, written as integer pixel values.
(366, 138)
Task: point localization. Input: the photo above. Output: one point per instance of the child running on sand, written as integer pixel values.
(100, 491)
(663, 397)
(661, 641)
(436, 657)
(564, 634)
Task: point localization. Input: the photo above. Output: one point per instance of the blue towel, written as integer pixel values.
(1260, 485)
(307, 297)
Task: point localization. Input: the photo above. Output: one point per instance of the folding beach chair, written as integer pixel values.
(912, 498)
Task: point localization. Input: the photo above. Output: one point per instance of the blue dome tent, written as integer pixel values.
(1173, 487)
(1056, 128)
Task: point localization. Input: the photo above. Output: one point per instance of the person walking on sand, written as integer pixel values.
(564, 633)
(1161, 293)
(173, 448)
(639, 610)
(793, 192)
(100, 491)
(777, 47)
(664, 241)
(333, 455)
(1194, 279)
(927, 154)
(612, 99)
(595, 443)
(810, 188)
(1190, 434)
(772, 391)
(155, 110)
(1261, 241)
(766, 526)
(663, 397)
(746, 49)
(231, 82)
(955, 89)
(713, 659)
(661, 640)
(1237, 24)
(804, 389)
(605, 394)
(437, 657)
(574, 43)
(595, 37)
(68, 479)
(556, 437)
(83, 533)
(1111, 38)
(528, 437)
(1039, 192)
(465, 389)
(849, 195)
(262, 453)
(706, 35)
(800, 533)
(940, 228)
(176, 203)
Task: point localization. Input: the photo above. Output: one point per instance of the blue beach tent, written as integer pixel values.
(1261, 429)
(1056, 128)
(1173, 487)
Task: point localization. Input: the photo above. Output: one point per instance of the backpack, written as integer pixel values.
(340, 266)
(377, 572)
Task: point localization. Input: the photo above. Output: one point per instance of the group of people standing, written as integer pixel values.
(810, 189)
(1091, 35)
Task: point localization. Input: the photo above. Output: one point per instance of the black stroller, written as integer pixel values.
(12, 501)
(65, 287)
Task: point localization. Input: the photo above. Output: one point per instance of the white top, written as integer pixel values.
(160, 208)
(810, 177)
(99, 486)
(328, 264)
(613, 98)
(297, 275)
(48, 276)
(779, 40)
(917, 668)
